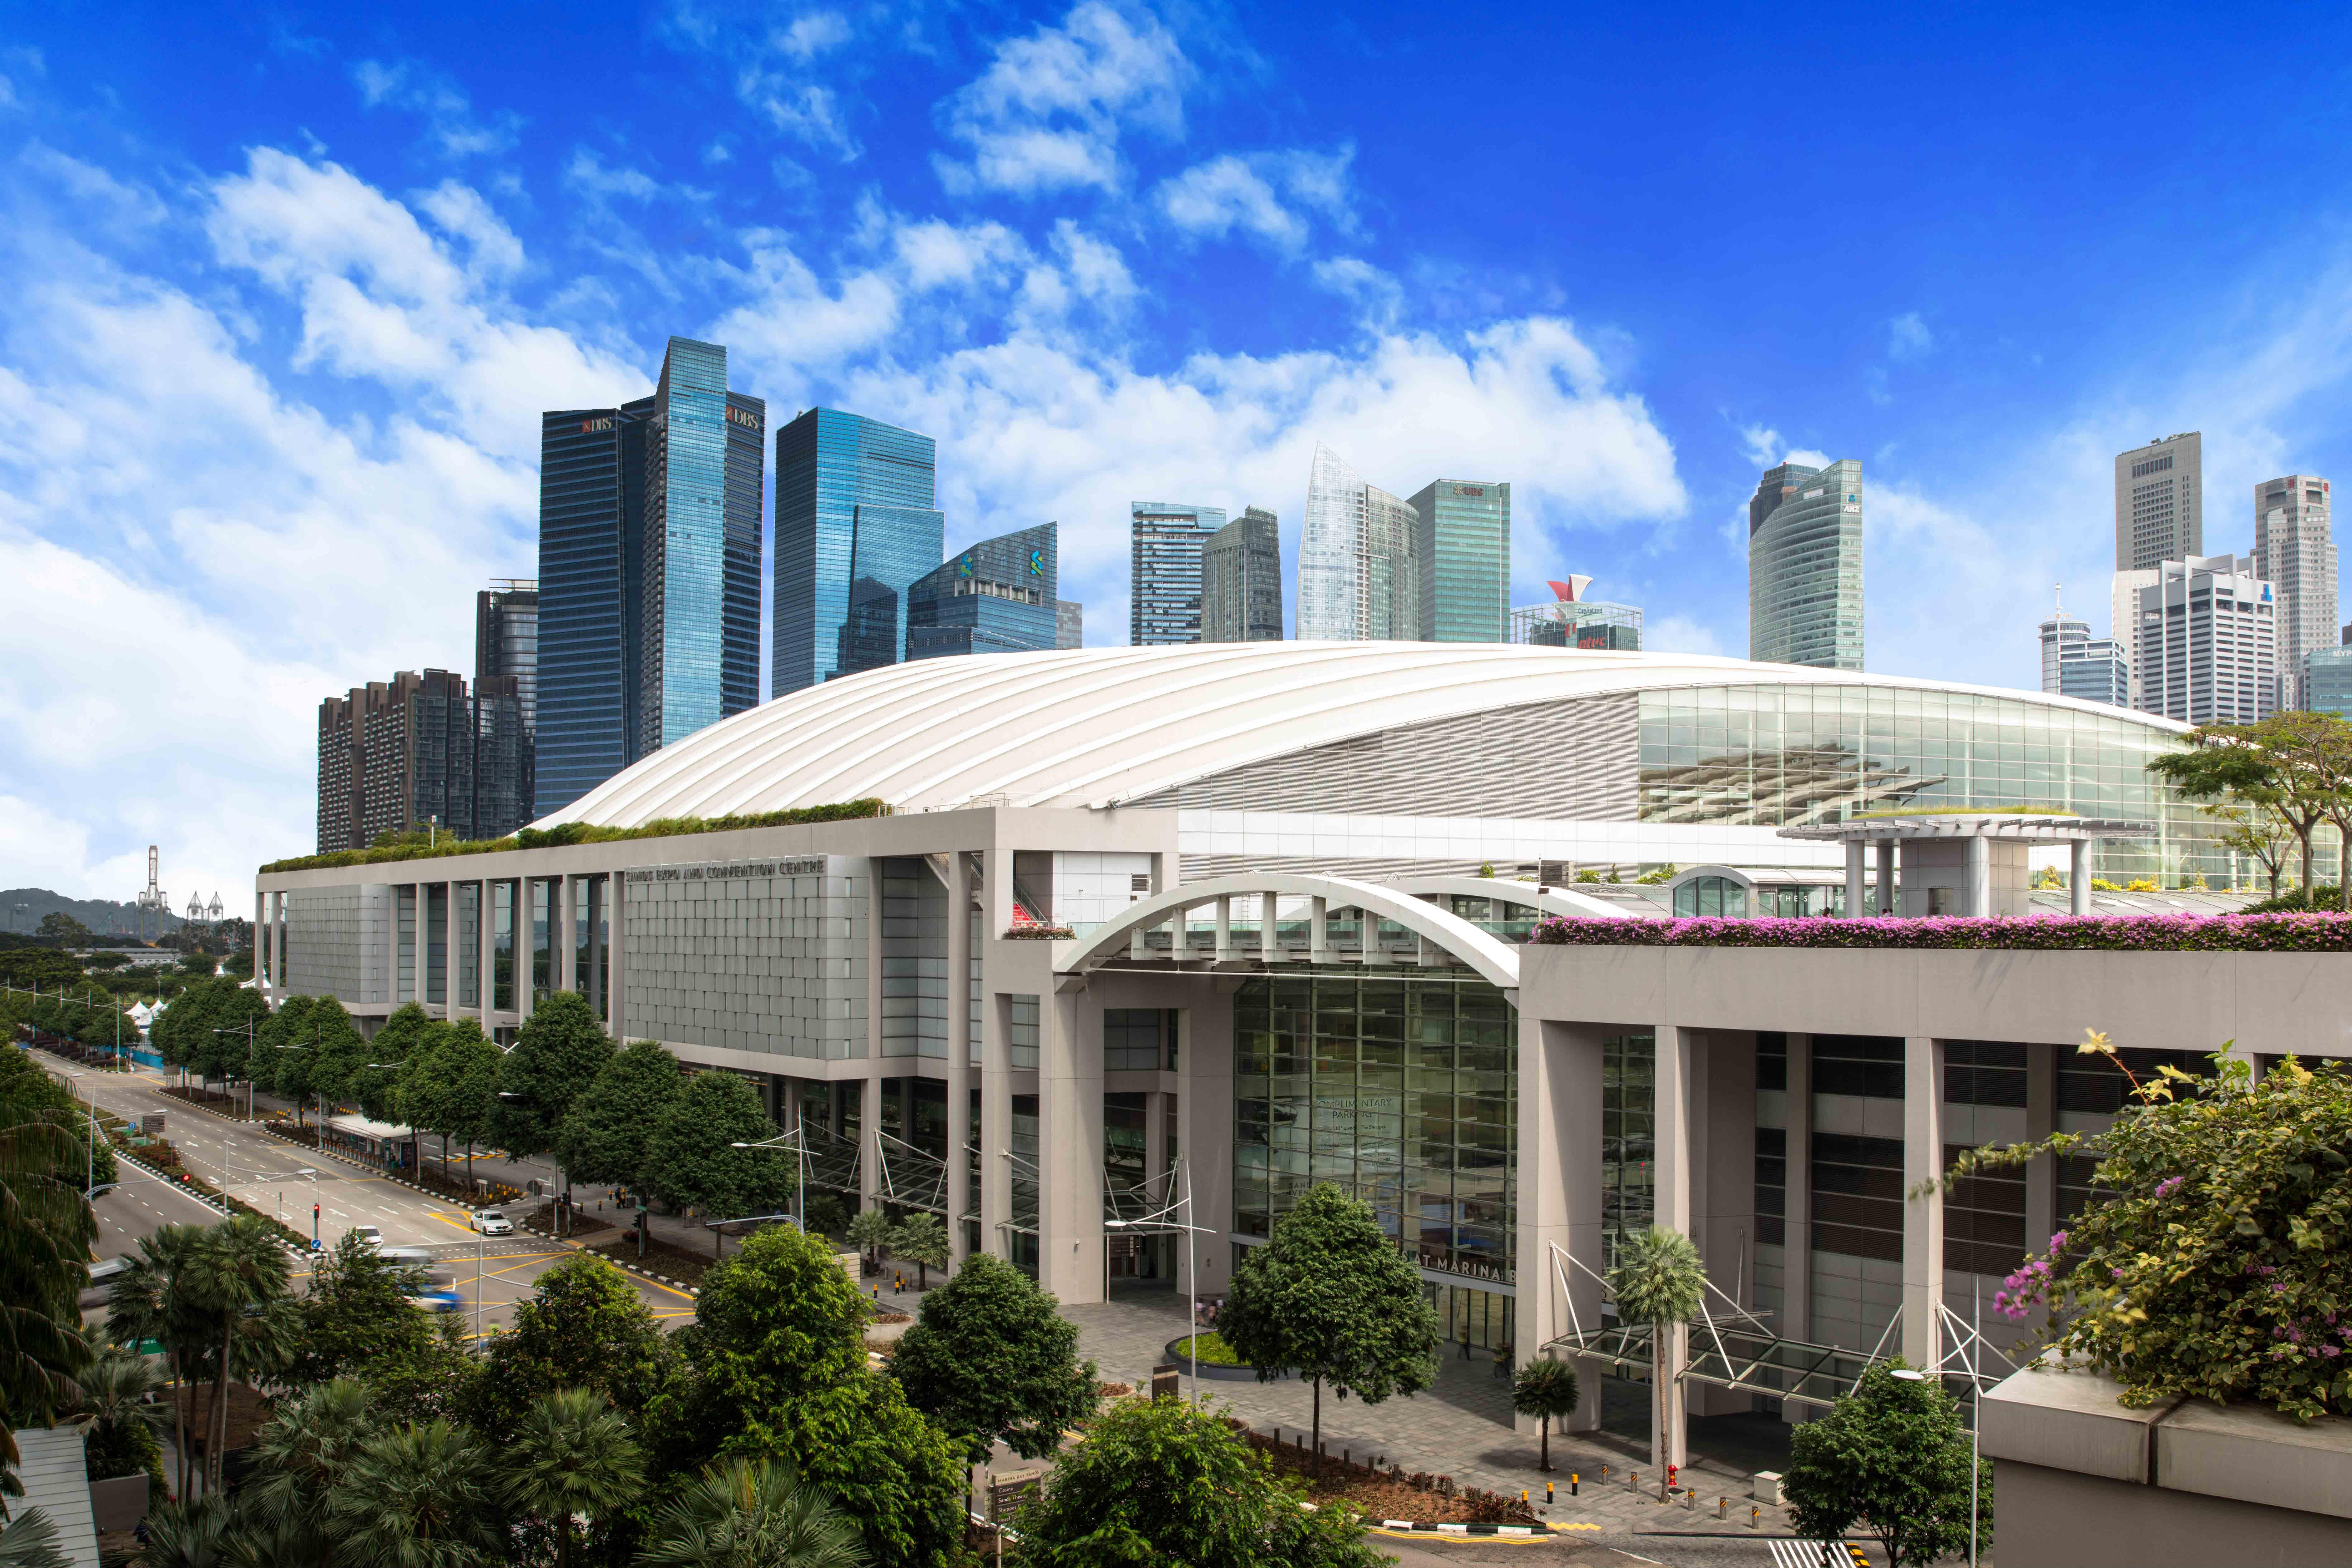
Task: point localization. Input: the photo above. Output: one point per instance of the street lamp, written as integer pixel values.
(1192, 1263)
(248, 1062)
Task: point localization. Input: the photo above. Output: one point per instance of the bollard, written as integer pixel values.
(1753, 1511)
(1523, 1494)
(1548, 1494)
(1572, 1479)
(1634, 1479)
(1723, 1507)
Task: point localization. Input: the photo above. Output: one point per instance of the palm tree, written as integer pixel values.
(921, 1238)
(418, 1497)
(201, 1534)
(1546, 1390)
(575, 1459)
(753, 1513)
(47, 1227)
(1658, 1280)
(870, 1233)
(150, 1300)
(299, 1459)
(239, 1271)
(118, 1399)
(30, 1541)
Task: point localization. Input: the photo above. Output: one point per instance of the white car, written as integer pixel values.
(370, 1238)
(491, 1222)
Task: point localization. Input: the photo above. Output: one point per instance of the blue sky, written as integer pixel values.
(288, 286)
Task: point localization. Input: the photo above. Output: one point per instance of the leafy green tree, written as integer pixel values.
(1659, 1281)
(417, 1497)
(198, 1533)
(277, 1065)
(238, 1271)
(748, 1513)
(870, 1233)
(1545, 1389)
(584, 1326)
(921, 1238)
(1331, 1299)
(154, 1298)
(357, 1316)
(777, 1362)
(59, 926)
(2292, 766)
(450, 1088)
(691, 1160)
(376, 1083)
(557, 1054)
(1165, 1480)
(231, 1019)
(606, 1135)
(1893, 1457)
(573, 1458)
(39, 966)
(337, 1052)
(31, 1541)
(990, 1358)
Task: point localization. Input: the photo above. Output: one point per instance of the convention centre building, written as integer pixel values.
(1139, 943)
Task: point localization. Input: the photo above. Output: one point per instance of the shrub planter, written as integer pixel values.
(1174, 1352)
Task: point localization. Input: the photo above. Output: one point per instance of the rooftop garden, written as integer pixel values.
(424, 847)
(2089, 934)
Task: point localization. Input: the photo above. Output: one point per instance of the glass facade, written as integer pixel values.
(1165, 541)
(648, 608)
(1775, 755)
(1241, 581)
(856, 523)
(2328, 681)
(1804, 566)
(998, 597)
(1462, 551)
(1398, 1088)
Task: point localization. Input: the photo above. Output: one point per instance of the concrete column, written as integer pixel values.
(1225, 947)
(869, 1134)
(1884, 903)
(1796, 1321)
(1069, 1146)
(1559, 1073)
(1681, 1169)
(260, 946)
(1267, 948)
(1318, 933)
(277, 944)
(595, 986)
(2041, 1120)
(2078, 878)
(1204, 1136)
(487, 937)
(996, 1062)
(526, 945)
(566, 936)
(1853, 879)
(1923, 1217)
(1980, 875)
(616, 897)
(960, 1027)
(449, 952)
(392, 946)
(422, 946)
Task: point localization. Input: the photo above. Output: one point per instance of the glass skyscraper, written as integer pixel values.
(1462, 562)
(856, 523)
(1241, 580)
(1164, 570)
(1804, 566)
(1358, 577)
(995, 597)
(649, 571)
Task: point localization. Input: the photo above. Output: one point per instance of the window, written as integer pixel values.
(1984, 1073)
(1858, 1196)
(1771, 1185)
(1984, 1219)
(1139, 1039)
(1717, 896)
(1867, 1065)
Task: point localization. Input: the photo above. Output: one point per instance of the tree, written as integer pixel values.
(747, 1513)
(277, 1065)
(357, 1316)
(691, 1160)
(573, 1458)
(2293, 765)
(606, 1135)
(1545, 1389)
(199, 1533)
(47, 1229)
(30, 1541)
(237, 1272)
(777, 1362)
(1658, 1280)
(1164, 1480)
(337, 1053)
(991, 1360)
(1892, 1456)
(299, 1459)
(417, 1497)
(557, 1054)
(1331, 1299)
(118, 1389)
(377, 1087)
(584, 1327)
(449, 1087)
(869, 1232)
(59, 926)
(921, 1238)
(2254, 830)
(154, 1299)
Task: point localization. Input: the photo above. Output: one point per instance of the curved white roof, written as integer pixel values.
(1091, 727)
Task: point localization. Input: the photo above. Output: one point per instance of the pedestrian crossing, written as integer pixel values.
(1817, 1554)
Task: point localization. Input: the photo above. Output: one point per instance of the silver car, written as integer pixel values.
(491, 1222)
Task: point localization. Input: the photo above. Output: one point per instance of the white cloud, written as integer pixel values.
(1907, 338)
(1764, 449)
(1680, 634)
(1247, 192)
(811, 34)
(1378, 297)
(780, 69)
(1048, 112)
(449, 114)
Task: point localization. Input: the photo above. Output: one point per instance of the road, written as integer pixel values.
(270, 1174)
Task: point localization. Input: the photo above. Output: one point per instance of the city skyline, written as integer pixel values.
(281, 343)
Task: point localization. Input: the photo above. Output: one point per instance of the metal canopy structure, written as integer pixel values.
(2038, 828)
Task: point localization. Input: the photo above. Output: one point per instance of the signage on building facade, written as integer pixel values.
(1036, 564)
(1469, 489)
(742, 417)
(721, 871)
(589, 426)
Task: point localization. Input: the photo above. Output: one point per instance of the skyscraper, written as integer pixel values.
(1358, 574)
(2327, 679)
(1804, 566)
(1164, 570)
(856, 523)
(2294, 551)
(1462, 562)
(649, 571)
(2161, 502)
(1241, 580)
(506, 649)
(2208, 638)
(1070, 623)
(394, 756)
(2076, 664)
(996, 596)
